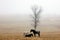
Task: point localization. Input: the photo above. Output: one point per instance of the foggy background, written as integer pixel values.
(15, 15)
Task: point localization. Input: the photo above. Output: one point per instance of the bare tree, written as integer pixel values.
(35, 16)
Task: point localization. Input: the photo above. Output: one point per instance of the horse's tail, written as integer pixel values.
(39, 33)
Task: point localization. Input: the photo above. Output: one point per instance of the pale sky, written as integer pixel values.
(17, 13)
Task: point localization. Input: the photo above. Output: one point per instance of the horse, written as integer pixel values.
(35, 32)
(28, 35)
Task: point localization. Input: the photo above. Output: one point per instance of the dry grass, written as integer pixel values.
(21, 37)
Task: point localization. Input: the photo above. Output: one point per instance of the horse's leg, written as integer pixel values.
(31, 35)
(39, 34)
(35, 35)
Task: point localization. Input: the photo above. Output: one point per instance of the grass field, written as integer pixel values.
(18, 36)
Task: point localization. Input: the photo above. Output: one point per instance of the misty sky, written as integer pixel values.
(15, 15)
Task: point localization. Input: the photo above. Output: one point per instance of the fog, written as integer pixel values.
(15, 15)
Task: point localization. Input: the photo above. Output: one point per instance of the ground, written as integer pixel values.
(20, 36)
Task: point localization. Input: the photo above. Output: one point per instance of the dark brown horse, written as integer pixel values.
(35, 32)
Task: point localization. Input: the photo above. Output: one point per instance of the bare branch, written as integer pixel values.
(39, 11)
(35, 16)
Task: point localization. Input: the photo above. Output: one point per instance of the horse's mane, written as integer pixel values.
(32, 29)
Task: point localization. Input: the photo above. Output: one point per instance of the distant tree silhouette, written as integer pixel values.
(35, 16)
